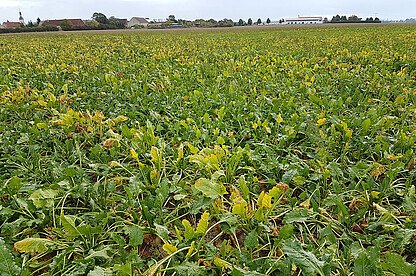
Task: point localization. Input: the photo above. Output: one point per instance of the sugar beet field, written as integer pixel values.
(252, 151)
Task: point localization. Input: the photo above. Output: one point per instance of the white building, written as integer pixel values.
(138, 21)
(303, 20)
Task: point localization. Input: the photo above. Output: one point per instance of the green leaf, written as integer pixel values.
(189, 231)
(402, 237)
(286, 231)
(366, 124)
(244, 188)
(307, 261)
(298, 216)
(13, 185)
(98, 271)
(251, 240)
(367, 262)
(68, 222)
(135, 235)
(288, 176)
(162, 231)
(43, 198)
(189, 269)
(398, 265)
(7, 264)
(32, 245)
(241, 272)
(209, 188)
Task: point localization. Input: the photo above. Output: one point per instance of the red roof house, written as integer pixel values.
(11, 24)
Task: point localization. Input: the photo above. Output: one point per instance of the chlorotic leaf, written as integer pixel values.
(243, 187)
(219, 263)
(189, 231)
(32, 245)
(202, 224)
(169, 248)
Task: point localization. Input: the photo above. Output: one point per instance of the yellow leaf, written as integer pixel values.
(113, 164)
(320, 122)
(240, 209)
(267, 201)
(42, 125)
(219, 263)
(52, 98)
(279, 119)
(180, 153)
(191, 250)
(202, 224)
(134, 154)
(169, 248)
(306, 204)
(189, 231)
(120, 119)
(155, 154)
(377, 170)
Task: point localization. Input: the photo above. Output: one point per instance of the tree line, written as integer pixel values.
(351, 19)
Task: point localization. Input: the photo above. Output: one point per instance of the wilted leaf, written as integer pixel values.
(32, 245)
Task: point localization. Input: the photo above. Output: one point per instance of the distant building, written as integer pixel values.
(11, 24)
(21, 19)
(274, 22)
(58, 22)
(138, 21)
(122, 21)
(303, 20)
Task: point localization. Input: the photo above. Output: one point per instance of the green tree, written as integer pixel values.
(100, 18)
(259, 21)
(354, 18)
(241, 22)
(250, 21)
(66, 25)
(268, 21)
(38, 21)
(172, 18)
(336, 18)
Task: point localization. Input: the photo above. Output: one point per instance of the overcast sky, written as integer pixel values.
(206, 9)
